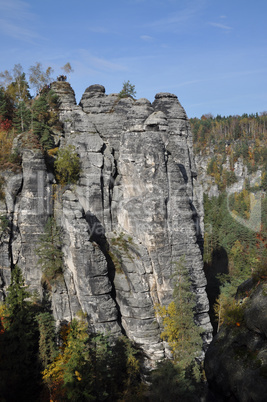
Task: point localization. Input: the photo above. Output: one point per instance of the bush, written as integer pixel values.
(128, 90)
(67, 165)
(4, 223)
(50, 253)
(2, 191)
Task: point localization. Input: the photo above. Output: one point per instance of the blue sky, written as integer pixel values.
(212, 54)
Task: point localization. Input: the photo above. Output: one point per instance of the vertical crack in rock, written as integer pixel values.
(135, 194)
(112, 181)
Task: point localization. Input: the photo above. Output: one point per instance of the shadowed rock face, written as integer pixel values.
(131, 216)
(236, 360)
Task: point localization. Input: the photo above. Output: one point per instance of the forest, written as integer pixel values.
(41, 362)
(233, 252)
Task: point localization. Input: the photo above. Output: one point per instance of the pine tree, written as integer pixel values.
(179, 327)
(45, 117)
(47, 338)
(6, 106)
(19, 369)
(128, 90)
(22, 117)
(50, 253)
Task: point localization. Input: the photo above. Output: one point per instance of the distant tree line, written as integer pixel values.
(233, 136)
(232, 252)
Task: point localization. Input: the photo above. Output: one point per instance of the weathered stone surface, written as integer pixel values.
(132, 215)
(236, 360)
(65, 93)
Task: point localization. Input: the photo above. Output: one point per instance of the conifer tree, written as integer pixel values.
(22, 117)
(6, 106)
(128, 90)
(47, 338)
(178, 378)
(19, 370)
(50, 253)
(179, 327)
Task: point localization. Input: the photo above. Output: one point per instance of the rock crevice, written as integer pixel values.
(128, 219)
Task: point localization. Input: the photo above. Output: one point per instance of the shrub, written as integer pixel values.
(67, 165)
(128, 90)
(4, 223)
(50, 253)
(2, 191)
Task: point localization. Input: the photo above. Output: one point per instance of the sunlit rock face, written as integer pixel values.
(130, 218)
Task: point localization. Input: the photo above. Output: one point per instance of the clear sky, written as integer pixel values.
(212, 54)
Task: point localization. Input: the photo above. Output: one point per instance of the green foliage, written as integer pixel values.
(244, 250)
(264, 181)
(18, 89)
(67, 165)
(228, 310)
(50, 253)
(22, 117)
(120, 247)
(180, 378)
(125, 369)
(168, 383)
(4, 223)
(45, 117)
(2, 185)
(234, 136)
(88, 367)
(179, 327)
(6, 106)
(221, 229)
(9, 160)
(128, 90)
(19, 374)
(47, 338)
(17, 294)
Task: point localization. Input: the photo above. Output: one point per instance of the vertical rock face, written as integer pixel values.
(129, 219)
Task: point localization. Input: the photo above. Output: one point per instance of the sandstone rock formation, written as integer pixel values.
(130, 217)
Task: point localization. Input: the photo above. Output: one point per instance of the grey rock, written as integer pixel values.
(65, 93)
(131, 216)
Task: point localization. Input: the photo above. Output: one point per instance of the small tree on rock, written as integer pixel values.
(67, 68)
(50, 253)
(67, 165)
(128, 90)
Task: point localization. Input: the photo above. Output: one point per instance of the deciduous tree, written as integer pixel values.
(39, 77)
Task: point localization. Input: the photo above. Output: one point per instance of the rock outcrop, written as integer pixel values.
(130, 217)
(236, 360)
